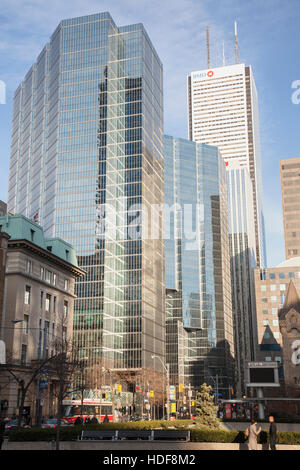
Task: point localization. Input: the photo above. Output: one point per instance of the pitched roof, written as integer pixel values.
(292, 300)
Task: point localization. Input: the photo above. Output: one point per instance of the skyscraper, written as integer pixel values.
(290, 193)
(243, 261)
(223, 111)
(86, 153)
(198, 279)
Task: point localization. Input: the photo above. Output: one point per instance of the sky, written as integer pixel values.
(269, 39)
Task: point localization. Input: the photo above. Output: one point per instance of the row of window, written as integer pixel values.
(281, 275)
(47, 275)
(273, 287)
(50, 301)
(273, 299)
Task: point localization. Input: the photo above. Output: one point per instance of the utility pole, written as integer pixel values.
(168, 391)
(190, 400)
(38, 385)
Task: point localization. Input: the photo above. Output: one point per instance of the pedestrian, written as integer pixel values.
(78, 421)
(87, 420)
(252, 433)
(2, 430)
(106, 419)
(272, 433)
(94, 420)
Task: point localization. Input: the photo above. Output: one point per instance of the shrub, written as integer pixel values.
(69, 433)
(198, 434)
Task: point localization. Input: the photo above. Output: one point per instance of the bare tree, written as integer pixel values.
(25, 377)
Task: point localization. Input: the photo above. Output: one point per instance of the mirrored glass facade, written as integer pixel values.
(243, 261)
(87, 145)
(198, 278)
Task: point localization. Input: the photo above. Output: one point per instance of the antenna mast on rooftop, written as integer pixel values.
(236, 43)
(224, 61)
(207, 47)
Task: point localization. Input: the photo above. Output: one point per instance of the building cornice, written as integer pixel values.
(31, 247)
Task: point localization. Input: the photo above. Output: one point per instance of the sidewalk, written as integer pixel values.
(135, 445)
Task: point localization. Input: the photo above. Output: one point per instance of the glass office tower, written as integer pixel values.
(86, 152)
(198, 278)
(243, 261)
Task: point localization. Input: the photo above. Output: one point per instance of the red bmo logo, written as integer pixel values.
(210, 73)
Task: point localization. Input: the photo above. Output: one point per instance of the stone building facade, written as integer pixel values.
(289, 323)
(38, 298)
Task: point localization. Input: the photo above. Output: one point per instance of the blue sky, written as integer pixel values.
(268, 39)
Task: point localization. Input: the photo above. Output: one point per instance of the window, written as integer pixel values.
(273, 287)
(274, 311)
(47, 303)
(281, 276)
(291, 275)
(275, 322)
(32, 232)
(272, 276)
(29, 266)
(42, 300)
(264, 299)
(46, 327)
(65, 308)
(276, 335)
(263, 288)
(273, 298)
(278, 358)
(27, 295)
(42, 273)
(282, 299)
(265, 322)
(66, 284)
(265, 311)
(26, 324)
(268, 359)
(282, 286)
(54, 279)
(48, 276)
(54, 304)
(23, 354)
(267, 335)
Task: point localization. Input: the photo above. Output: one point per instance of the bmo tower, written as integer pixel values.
(87, 145)
(223, 111)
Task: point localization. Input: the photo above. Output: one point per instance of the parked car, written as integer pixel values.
(136, 418)
(11, 425)
(52, 423)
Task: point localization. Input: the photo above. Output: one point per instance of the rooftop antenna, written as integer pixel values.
(224, 61)
(236, 43)
(207, 46)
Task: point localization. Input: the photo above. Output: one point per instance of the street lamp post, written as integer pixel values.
(112, 391)
(38, 410)
(166, 367)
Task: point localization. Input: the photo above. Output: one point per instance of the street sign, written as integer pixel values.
(151, 393)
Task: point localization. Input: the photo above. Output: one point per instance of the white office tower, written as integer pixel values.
(243, 261)
(223, 111)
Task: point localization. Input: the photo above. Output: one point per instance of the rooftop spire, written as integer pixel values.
(236, 43)
(208, 47)
(292, 300)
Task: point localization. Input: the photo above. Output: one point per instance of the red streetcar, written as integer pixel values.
(91, 407)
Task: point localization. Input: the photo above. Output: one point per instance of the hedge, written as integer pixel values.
(197, 434)
(69, 433)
